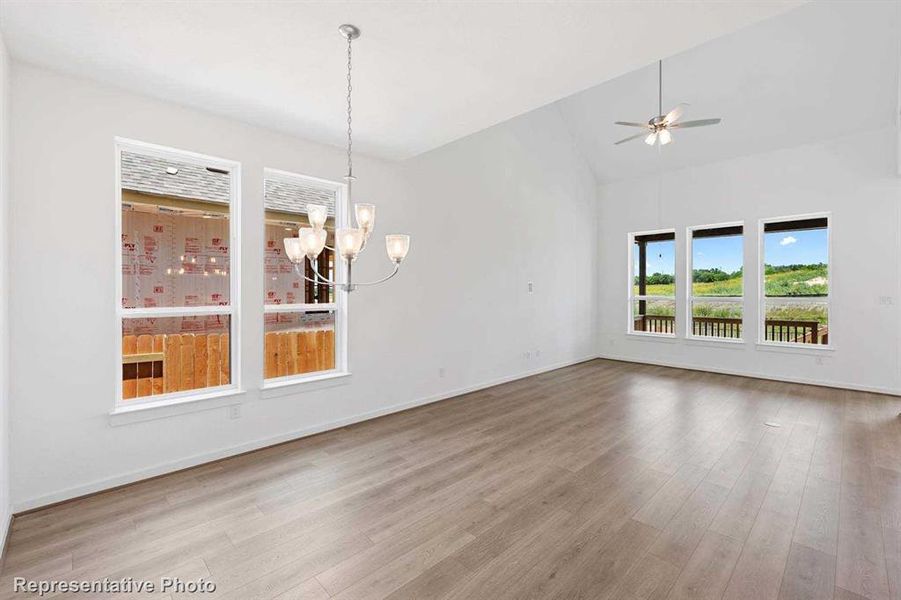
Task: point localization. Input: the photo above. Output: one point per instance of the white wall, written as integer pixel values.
(4, 294)
(854, 177)
(487, 213)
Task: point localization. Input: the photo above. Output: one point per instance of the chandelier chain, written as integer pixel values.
(350, 164)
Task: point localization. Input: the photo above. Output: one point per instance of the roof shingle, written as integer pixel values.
(148, 174)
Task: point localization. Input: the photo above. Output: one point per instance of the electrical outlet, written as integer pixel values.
(886, 301)
(531, 287)
(234, 411)
(527, 355)
(818, 360)
(441, 372)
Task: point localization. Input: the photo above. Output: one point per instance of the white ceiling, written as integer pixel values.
(427, 73)
(821, 71)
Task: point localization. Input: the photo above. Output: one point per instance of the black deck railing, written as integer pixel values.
(775, 330)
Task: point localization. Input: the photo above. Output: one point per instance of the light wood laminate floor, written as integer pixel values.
(604, 480)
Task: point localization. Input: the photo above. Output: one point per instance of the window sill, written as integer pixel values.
(286, 386)
(659, 337)
(794, 348)
(712, 341)
(147, 411)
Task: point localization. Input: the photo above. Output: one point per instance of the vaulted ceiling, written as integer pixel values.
(821, 71)
(426, 73)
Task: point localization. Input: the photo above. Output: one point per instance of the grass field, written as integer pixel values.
(810, 280)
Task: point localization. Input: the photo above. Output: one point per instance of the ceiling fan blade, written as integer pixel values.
(630, 124)
(698, 123)
(631, 137)
(675, 114)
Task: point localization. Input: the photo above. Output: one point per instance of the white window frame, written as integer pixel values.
(761, 303)
(339, 306)
(233, 310)
(633, 297)
(689, 285)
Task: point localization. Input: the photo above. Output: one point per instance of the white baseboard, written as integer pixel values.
(199, 459)
(754, 375)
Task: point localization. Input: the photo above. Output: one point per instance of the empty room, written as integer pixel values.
(450, 300)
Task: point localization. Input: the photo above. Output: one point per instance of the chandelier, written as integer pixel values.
(350, 241)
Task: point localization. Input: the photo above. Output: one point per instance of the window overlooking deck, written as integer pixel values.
(652, 291)
(716, 265)
(795, 286)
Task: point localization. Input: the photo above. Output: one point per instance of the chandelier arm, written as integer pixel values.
(319, 279)
(323, 280)
(319, 276)
(383, 279)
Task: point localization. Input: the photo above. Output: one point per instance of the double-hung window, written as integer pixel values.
(716, 276)
(795, 280)
(652, 283)
(178, 276)
(304, 318)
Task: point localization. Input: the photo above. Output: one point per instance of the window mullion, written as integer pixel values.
(717, 298)
(797, 299)
(175, 311)
(281, 308)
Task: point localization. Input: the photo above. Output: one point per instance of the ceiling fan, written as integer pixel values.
(657, 129)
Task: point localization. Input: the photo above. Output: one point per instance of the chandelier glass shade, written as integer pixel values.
(317, 215)
(398, 245)
(349, 241)
(311, 242)
(365, 214)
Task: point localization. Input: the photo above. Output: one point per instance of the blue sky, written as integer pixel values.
(780, 248)
(795, 247)
(724, 253)
(661, 258)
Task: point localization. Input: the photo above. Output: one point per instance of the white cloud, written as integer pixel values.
(788, 240)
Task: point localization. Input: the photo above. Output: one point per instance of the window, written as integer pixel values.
(303, 321)
(652, 283)
(178, 281)
(795, 281)
(715, 262)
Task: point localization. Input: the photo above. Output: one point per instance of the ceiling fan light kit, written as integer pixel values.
(349, 241)
(659, 127)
